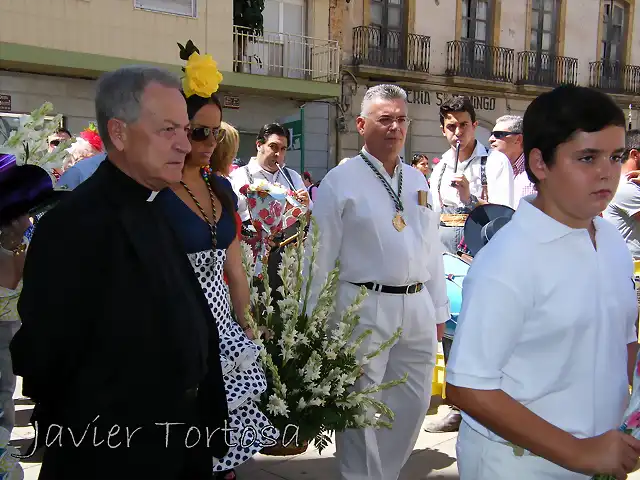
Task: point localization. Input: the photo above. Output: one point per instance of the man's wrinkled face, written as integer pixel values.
(156, 144)
(504, 141)
(384, 127)
(582, 180)
(272, 152)
(459, 127)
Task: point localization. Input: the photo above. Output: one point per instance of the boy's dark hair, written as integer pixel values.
(272, 129)
(63, 130)
(457, 104)
(554, 117)
(632, 143)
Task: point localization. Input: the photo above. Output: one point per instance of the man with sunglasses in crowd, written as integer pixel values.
(506, 137)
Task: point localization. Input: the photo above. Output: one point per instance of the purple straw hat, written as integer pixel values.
(24, 190)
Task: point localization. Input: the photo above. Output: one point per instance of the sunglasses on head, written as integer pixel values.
(499, 135)
(200, 134)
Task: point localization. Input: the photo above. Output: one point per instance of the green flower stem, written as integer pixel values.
(386, 345)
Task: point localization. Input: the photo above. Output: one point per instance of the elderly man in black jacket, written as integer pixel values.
(118, 347)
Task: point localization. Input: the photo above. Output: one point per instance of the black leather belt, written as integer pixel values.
(403, 290)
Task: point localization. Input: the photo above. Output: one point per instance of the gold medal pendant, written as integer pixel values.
(398, 222)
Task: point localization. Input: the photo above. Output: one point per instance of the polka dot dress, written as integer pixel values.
(244, 378)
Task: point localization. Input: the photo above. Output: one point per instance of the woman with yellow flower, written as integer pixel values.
(202, 211)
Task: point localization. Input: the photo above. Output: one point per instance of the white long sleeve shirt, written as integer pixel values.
(239, 178)
(499, 178)
(354, 213)
(547, 318)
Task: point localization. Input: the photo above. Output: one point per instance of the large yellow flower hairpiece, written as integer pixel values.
(201, 75)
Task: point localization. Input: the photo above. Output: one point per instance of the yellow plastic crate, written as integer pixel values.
(439, 377)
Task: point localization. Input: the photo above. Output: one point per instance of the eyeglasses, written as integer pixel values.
(200, 134)
(54, 143)
(388, 121)
(500, 135)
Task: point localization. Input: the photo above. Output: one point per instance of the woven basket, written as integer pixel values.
(280, 450)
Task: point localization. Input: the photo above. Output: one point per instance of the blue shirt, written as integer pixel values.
(80, 171)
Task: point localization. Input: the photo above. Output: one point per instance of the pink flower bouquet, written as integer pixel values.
(272, 208)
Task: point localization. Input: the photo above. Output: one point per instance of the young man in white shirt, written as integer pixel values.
(545, 345)
(374, 216)
(478, 177)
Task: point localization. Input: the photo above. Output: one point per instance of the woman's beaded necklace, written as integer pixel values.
(206, 174)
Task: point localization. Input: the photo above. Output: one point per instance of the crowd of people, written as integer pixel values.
(154, 338)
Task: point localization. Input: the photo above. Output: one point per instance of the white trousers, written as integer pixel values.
(369, 454)
(482, 459)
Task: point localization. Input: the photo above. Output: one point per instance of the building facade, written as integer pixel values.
(500, 53)
(289, 73)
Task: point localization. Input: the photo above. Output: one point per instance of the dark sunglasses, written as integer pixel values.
(200, 134)
(54, 143)
(500, 135)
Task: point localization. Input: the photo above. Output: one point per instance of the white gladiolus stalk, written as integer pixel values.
(30, 142)
(311, 371)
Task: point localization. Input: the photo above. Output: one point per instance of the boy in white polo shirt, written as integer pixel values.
(546, 343)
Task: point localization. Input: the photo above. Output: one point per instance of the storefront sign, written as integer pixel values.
(425, 97)
(231, 101)
(5, 103)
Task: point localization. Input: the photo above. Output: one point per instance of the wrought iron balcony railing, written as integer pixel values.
(538, 68)
(473, 59)
(285, 55)
(615, 77)
(379, 47)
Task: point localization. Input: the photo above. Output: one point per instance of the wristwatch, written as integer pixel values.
(472, 203)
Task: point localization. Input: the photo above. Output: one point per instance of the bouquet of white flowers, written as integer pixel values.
(310, 370)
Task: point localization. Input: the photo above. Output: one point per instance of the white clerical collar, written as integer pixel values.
(152, 196)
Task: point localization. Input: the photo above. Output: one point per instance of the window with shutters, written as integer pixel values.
(544, 26)
(187, 8)
(610, 72)
(387, 37)
(477, 23)
(613, 31)
(543, 64)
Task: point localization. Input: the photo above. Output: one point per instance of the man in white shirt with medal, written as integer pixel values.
(375, 217)
(476, 176)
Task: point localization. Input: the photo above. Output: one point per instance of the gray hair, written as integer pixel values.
(514, 122)
(381, 92)
(119, 94)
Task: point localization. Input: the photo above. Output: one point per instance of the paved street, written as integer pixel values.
(432, 458)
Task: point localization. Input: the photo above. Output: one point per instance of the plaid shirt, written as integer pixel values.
(522, 186)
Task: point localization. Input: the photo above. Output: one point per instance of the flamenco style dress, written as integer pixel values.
(244, 378)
